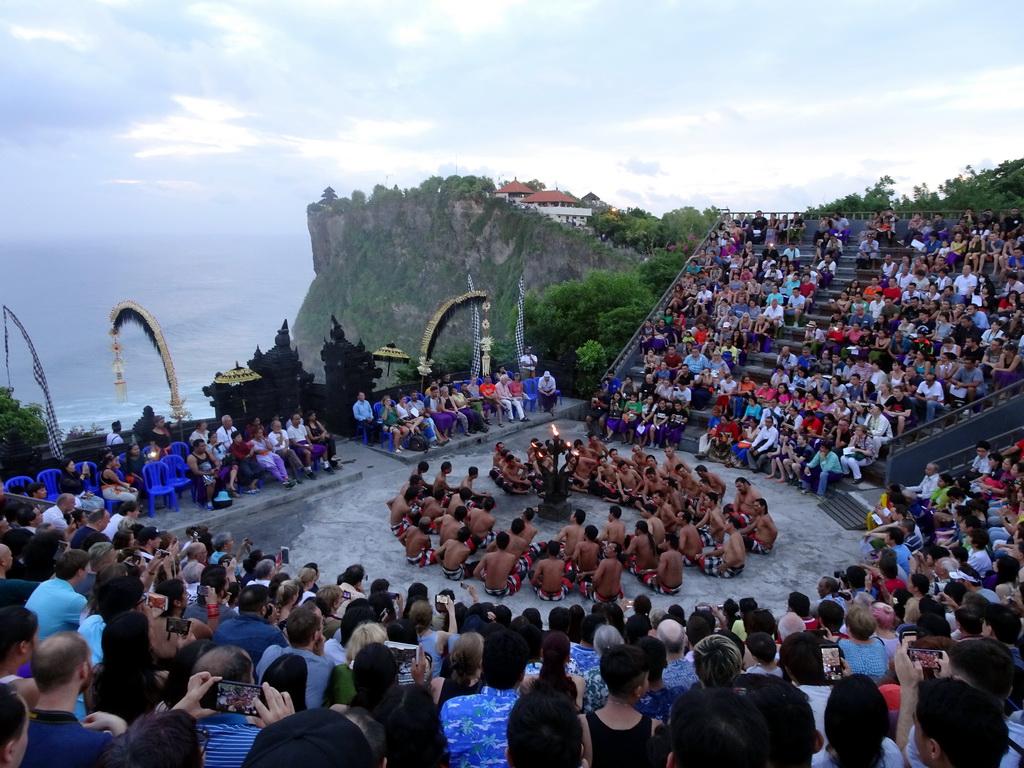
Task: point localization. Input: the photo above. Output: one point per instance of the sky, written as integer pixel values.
(152, 116)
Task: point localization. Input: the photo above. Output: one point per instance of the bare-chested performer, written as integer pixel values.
(689, 542)
(414, 481)
(498, 570)
(497, 461)
(614, 530)
(441, 478)
(572, 534)
(514, 477)
(464, 498)
(530, 530)
(712, 481)
(454, 554)
(549, 576)
(595, 448)
(481, 522)
(669, 571)
(467, 482)
(665, 513)
(417, 544)
(630, 480)
(672, 461)
(449, 525)
(584, 558)
(759, 537)
(728, 560)
(606, 586)
(642, 552)
(685, 480)
(403, 511)
(655, 526)
(432, 505)
(639, 458)
(743, 503)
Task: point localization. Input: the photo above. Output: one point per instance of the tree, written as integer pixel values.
(329, 195)
(27, 419)
(358, 197)
(535, 185)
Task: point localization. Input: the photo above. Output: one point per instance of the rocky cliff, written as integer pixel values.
(383, 267)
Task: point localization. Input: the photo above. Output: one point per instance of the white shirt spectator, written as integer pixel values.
(931, 391)
(296, 433)
(114, 439)
(225, 435)
(963, 282)
(767, 438)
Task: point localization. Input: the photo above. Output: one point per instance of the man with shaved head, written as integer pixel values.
(679, 676)
(790, 624)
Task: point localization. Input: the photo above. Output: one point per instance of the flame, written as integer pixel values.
(554, 430)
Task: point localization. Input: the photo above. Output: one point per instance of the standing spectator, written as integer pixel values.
(616, 734)
(476, 725)
(251, 629)
(306, 640)
(528, 364)
(55, 602)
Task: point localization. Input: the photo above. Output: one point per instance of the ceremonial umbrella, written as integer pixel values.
(388, 353)
(237, 375)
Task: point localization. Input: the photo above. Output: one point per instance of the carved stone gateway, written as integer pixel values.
(348, 370)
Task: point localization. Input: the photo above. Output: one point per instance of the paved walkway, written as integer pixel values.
(340, 520)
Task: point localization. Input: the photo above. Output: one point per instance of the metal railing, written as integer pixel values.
(615, 368)
(962, 458)
(948, 418)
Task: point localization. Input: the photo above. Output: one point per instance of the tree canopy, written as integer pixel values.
(27, 419)
(998, 188)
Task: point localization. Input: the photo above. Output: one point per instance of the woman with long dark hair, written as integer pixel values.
(856, 727)
(554, 655)
(73, 481)
(127, 683)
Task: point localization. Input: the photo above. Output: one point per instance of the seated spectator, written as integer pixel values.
(251, 629)
(543, 730)
(717, 727)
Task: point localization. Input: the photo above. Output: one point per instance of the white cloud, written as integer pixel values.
(77, 41)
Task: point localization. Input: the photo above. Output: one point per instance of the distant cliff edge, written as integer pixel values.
(383, 265)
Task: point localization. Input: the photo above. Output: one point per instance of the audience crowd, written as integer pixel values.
(122, 646)
(923, 328)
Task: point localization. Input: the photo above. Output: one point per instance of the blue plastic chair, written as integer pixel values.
(385, 436)
(177, 472)
(180, 449)
(92, 482)
(362, 430)
(51, 479)
(23, 480)
(530, 393)
(156, 474)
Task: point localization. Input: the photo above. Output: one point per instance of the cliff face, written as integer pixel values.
(382, 268)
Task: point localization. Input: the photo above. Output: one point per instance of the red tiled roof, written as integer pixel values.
(549, 196)
(515, 188)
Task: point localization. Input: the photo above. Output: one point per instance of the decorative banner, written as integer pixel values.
(52, 430)
(474, 365)
(520, 344)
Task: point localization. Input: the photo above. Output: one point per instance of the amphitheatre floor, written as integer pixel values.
(339, 520)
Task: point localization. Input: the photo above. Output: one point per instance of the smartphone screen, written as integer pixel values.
(154, 600)
(235, 698)
(441, 599)
(405, 656)
(177, 626)
(285, 556)
(929, 658)
(831, 663)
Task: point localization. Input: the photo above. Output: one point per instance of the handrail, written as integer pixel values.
(964, 456)
(925, 431)
(627, 350)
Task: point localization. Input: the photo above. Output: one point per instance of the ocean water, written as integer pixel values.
(216, 298)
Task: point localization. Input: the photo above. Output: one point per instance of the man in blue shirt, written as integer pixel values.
(894, 538)
(55, 602)
(363, 412)
(251, 630)
(62, 669)
(306, 640)
(584, 653)
(230, 735)
(476, 725)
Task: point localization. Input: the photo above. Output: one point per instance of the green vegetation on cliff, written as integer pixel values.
(384, 263)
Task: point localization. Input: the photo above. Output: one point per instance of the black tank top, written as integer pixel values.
(450, 689)
(613, 749)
